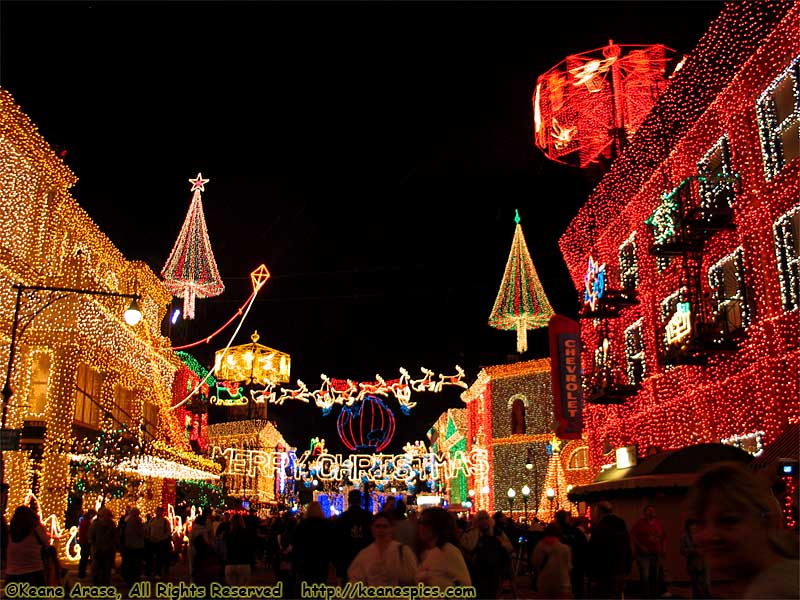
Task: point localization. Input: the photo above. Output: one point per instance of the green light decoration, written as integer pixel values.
(202, 494)
(196, 368)
(664, 219)
(521, 303)
(98, 474)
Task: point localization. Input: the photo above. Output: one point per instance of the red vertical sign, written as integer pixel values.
(565, 368)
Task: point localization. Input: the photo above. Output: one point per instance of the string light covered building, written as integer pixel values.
(447, 436)
(259, 488)
(687, 253)
(510, 415)
(79, 372)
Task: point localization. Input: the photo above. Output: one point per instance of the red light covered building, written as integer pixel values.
(687, 254)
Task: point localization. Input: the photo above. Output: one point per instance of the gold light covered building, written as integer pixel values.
(78, 368)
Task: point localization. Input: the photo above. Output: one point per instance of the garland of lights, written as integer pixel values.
(190, 270)
(521, 303)
(707, 129)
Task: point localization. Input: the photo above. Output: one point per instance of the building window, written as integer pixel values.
(716, 177)
(40, 383)
(787, 251)
(518, 417)
(579, 459)
(778, 112)
(628, 264)
(150, 421)
(675, 317)
(728, 293)
(87, 396)
(601, 377)
(123, 405)
(634, 353)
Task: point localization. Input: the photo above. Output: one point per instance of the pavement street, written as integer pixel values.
(262, 576)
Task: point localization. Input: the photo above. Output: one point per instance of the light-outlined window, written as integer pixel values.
(628, 264)
(123, 405)
(602, 376)
(579, 459)
(634, 353)
(715, 177)
(675, 317)
(87, 396)
(151, 417)
(786, 230)
(518, 425)
(728, 292)
(778, 113)
(40, 383)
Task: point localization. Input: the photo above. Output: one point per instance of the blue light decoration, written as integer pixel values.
(594, 283)
(366, 426)
(175, 314)
(325, 502)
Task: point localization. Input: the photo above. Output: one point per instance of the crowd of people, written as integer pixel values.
(733, 534)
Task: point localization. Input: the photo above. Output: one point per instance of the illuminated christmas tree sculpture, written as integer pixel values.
(521, 303)
(554, 491)
(190, 270)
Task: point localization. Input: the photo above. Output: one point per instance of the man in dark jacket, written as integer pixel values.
(609, 556)
(353, 533)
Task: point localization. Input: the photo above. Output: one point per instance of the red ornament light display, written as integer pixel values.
(367, 426)
(589, 103)
(710, 143)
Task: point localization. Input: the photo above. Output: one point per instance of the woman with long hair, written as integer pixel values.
(385, 561)
(736, 523)
(441, 562)
(27, 540)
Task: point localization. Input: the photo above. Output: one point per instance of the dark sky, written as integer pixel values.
(371, 154)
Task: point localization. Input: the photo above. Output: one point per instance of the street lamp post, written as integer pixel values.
(132, 317)
(551, 494)
(526, 491)
(511, 494)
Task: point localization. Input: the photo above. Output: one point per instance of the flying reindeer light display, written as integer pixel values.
(346, 392)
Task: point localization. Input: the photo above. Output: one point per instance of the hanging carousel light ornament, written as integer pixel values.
(191, 271)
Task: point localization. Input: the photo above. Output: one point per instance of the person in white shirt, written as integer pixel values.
(442, 564)
(553, 562)
(385, 562)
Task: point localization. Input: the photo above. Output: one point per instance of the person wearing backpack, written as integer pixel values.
(488, 553)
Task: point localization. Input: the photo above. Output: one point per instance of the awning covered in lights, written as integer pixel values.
(147, 466)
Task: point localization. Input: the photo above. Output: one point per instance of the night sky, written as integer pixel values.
(370, 154)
